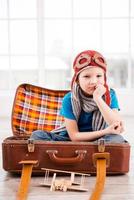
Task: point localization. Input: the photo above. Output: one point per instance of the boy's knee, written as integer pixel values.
(113, 138)
(40, 135)
(35, 135)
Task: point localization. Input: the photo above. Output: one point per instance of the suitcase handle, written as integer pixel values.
(80, 155)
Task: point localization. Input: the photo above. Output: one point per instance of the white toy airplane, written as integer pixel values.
(64, 184)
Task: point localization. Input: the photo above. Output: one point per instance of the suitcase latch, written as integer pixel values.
(31, 145)
(101, 145)
(105, 155)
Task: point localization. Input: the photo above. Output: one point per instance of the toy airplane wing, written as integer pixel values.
(78, 189)
(70, 188)
(66, 172)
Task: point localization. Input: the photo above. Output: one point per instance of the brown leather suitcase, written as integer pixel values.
(38, 108)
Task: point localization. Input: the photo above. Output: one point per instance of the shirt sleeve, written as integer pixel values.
(66, 108)
(114, 101)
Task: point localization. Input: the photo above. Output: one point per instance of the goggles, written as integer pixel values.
(84, 60)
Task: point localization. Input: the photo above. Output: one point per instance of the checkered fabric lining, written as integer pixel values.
(36, 108)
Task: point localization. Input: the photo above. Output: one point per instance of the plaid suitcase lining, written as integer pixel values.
(36, 108)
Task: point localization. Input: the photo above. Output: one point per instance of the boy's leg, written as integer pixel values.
(114, 138)
(62, 136)
(40, 135)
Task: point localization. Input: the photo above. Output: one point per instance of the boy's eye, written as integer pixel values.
(88, 76)
(99, 75)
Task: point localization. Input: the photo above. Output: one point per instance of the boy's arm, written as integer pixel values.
(75, 135)
(110, 115)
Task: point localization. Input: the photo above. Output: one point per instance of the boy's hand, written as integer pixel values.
(115, 128)
(99, 91)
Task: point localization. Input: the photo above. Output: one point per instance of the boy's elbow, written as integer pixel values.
(75, 140)
(74, 137)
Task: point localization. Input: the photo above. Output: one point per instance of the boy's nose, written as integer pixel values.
(93, 81)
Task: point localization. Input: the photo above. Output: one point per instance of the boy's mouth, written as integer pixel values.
(92, 88)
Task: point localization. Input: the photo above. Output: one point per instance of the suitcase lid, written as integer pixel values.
(36, 108)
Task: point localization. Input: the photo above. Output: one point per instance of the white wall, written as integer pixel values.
(126, 101)
(6, 103)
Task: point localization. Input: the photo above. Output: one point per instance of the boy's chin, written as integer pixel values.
(90, 94)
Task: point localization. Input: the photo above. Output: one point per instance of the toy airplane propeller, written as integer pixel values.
(63, 184)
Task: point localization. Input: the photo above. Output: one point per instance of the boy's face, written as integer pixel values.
(89, 78)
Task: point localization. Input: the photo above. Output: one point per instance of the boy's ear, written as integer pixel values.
(77, 80)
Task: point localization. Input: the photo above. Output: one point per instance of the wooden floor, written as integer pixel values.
(116, 187)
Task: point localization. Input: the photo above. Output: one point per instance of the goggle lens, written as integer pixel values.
(84, 60)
